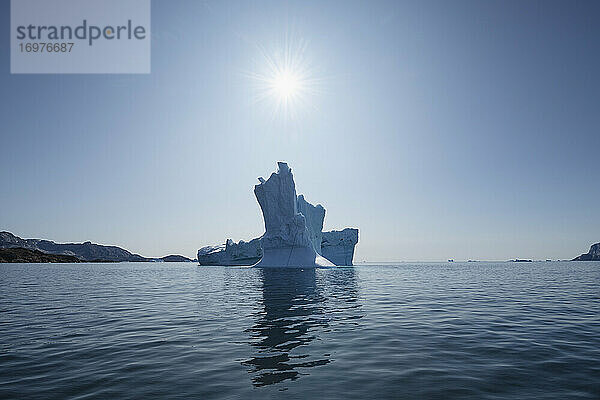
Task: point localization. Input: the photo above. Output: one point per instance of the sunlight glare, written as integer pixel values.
(285, 80)
(285, 84)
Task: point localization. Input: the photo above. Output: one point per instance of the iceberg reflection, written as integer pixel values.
(298, 305)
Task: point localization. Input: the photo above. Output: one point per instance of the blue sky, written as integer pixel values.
(464, 130)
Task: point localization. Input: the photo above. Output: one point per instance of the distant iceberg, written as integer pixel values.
(293, 235)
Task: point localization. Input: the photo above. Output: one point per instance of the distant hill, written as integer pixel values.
(87, 251)
(592, 255)
(20, 255)
(174, 258)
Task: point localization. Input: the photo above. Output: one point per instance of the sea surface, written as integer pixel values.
(406, 331)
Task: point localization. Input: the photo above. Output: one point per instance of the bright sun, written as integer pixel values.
(285, 80)
(285, 85)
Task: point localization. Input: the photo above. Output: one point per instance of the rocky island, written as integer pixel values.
(82, 252)
(293, 235)
(592, 255)
(20, 255)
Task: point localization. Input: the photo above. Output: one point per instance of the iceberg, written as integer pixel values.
(338, 246)
(314, 215)
(288, 240)
(231, 253)
(293, 235)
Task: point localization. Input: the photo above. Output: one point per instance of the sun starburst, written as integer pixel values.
(285, 80)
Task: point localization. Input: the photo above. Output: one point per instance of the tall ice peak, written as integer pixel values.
(290, 237)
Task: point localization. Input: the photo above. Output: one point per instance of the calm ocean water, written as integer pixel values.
(414, 331)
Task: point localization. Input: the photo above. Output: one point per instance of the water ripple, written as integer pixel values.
(427, 331)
